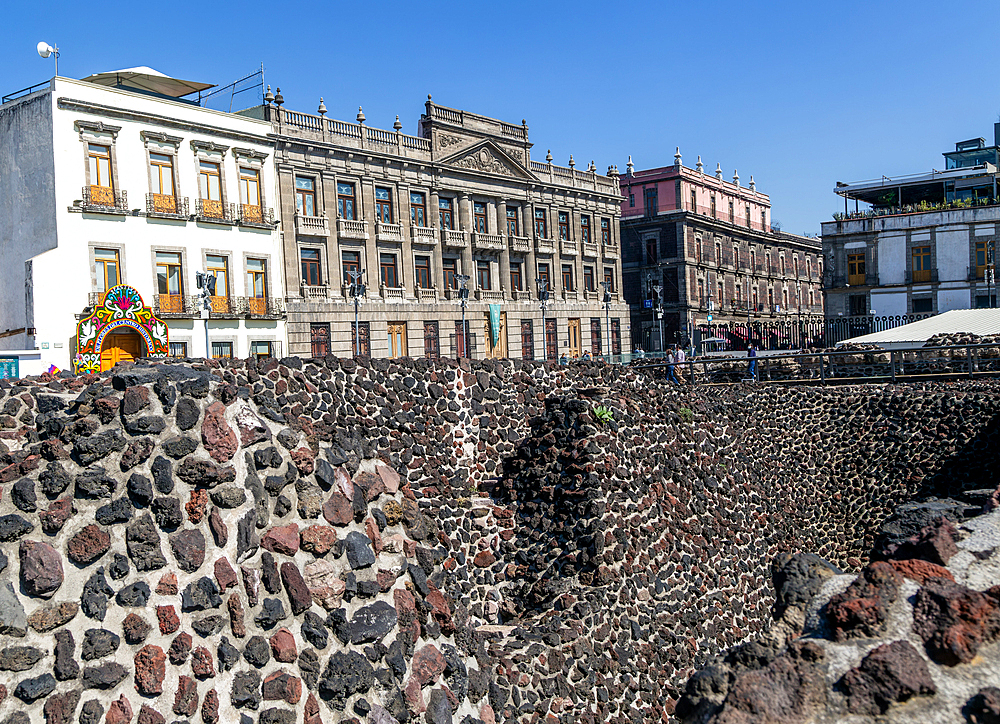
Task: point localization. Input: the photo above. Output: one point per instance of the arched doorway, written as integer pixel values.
(121, 345)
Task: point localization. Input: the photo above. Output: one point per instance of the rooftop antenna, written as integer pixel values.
(45, 50)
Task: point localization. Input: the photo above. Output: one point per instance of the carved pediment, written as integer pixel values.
(488, 157)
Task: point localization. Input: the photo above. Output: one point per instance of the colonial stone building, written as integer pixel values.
(722, 270)
(414, 214)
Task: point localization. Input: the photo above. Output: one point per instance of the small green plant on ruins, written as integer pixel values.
(604, 414)
(686, 413)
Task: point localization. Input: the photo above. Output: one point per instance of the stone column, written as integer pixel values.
(530, 264)
(407, 274)
(286, 208)
(505, 254)
(366, 201)
(327, 204)
(434, 221)
(465, 222)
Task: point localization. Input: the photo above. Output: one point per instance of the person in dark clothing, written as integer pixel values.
(752, 356)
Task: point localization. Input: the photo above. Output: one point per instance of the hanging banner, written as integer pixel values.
(122, 307)
(495, 323)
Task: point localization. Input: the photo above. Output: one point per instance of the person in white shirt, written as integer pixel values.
(679, 359)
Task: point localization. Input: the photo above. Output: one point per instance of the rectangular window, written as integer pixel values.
(383, 205)
(305, 196)
(921, 264)
(543, 277)
(222, 350)
(219, 266)
(397, 339)
(605, 231)
(595, 336)
(616, 336)
(541, 224)
(210, 181)
(858, 304)
(345, 201)
(100, 165)
(516, 284)
(651, 251)
(527, 339)
(351, 262)
(450, 267)
(512, 221)
(567, 277)
(763, 221)
(107, 268)
(463, 338)
(981, 259)
(179, 349)
(694, 199)
(856, 269)
(712, 202)
(748, 215)
(926, 305)
(432, 345)
(551, 341)
(479, 217)
(361, 339)
(631, 200)
(585, 229)
(257, 285)
(319, 338)
(387, 270)
(588, 279)
(311, 275)
(418, 209)
(732, 213)
(609, 278)
(168, 281)
(651, 201)
(563, 225)
(446, 213)
(262, 350)
(422, 264)
(249, 186)
(162, 172)
(483, 276)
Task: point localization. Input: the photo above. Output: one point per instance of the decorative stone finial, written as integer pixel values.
(572, 163)
(736, 177)
(269, 96)
(548, 156)
(677, 157)
(361, 115)
(629, 167)
(322, 107)
(718, 170)
(700, 167)
(397, 125)
(592, 167)
(753, 186)
(278, 98)
(428, 96)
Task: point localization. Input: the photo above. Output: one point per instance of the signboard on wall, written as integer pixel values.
(8, 368)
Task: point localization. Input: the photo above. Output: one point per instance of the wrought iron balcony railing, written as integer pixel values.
(265, 307)
(213, 212)
(258, 217)
(104, 200)
(166, 206)
(175, 305)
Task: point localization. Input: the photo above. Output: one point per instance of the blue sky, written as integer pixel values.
(800, 95)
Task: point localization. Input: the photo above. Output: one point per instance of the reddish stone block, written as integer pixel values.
(119, 712)
(150, 669)
(428, 663)
(167, 585)
(201, 663)
(236, 622)
(217, 436)
(210, 708)
(283, 539)
(318, 539)
(196, 505)
(88, 545)
(280, 686)
(186, 696)
(283, 646)
(225, 576)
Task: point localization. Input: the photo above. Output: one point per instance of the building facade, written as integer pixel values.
(722, 271)
(116, 197)
(915, 245)
(412, 215)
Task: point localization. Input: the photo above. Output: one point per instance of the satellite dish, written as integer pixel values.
(44, 49)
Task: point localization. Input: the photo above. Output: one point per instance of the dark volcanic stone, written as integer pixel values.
(168, 512)
(59, 708)
(22, 494)
(137, 452)
(41, 568)
(65, 666)
(201, 595)
(934, 543)
(797, 579)
(105, 676)
(208, 626)
(149, 425)
(95, 483)
(30, 690)
(54, 479)
(97, 447)
(309, 667)
(117, 511)
(91, 712)
(188, 547)
(13, 527)
(298, 593)
(119, 568)
(314, 631)
(227, 654)
(98, 643)
(178, 446)
(228, 496)
(96, 591)
(272, 611)
(257, 652)
(246, 690)
(369, 623)
(135, 595)
(359, 550)
(135, 628)
(143, 543)
(163, 475)
(984, 707)
(269, 573)
(180, 648)
(19, 658)
(863, 608)
(439, 708)
(88, 545)
(187, 413)
(219, 530)
(346, 674)
(204, 473)
(140, 489)
(891, 673)
(246, 536)
(277, 716)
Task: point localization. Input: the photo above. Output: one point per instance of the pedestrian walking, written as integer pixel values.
(671, 372)
(752, 368)
(680, 358)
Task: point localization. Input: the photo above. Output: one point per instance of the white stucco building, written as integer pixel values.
(118, 180)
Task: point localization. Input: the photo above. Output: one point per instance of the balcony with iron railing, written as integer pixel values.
(545, 246)
(454, 238)
(223, 307)
(214, 212)
(312, 225)
(424, 235)
(256, 217)
(520, 244)
(490, 242)
(104, 200)
(165, 206)
(351, 229)
(389, 232)
(175, 305)
(567, 247)
(920, 276)
(259, 307)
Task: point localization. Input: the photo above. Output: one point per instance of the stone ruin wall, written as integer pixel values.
(383, 541)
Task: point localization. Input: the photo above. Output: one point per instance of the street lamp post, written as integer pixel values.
(206, 283)
(543, 304)
(658, 291)
(463, 295)
(357, 291)
(607, 313)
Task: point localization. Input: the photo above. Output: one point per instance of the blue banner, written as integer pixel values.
(494, 323)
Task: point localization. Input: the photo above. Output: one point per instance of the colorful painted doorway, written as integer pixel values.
(120, 347)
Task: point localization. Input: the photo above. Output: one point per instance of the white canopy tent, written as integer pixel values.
(982, 322)
(146, 79)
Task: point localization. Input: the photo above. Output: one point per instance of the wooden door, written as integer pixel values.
(397, 339)
(120, 348)
(573, 326)
(498, 350)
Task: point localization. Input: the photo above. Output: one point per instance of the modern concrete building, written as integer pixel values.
(412, 215)
(722, 270)
(115, 192)
(919, 244)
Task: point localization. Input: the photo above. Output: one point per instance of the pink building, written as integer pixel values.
(707, 245)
